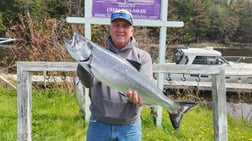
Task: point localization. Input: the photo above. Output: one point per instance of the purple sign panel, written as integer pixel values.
(140, 9)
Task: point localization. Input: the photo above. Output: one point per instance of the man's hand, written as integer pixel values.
(134, 97)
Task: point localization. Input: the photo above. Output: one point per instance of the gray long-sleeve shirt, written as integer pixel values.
(106, 104)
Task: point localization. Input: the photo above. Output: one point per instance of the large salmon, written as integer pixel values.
(120, 75)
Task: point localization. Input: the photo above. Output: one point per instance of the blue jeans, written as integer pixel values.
(100, 131)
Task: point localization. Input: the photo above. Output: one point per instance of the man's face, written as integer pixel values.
(120, 32)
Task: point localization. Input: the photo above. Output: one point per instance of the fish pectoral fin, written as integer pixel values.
(86, 67)
(177, 116)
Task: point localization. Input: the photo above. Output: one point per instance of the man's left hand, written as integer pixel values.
(134, 97)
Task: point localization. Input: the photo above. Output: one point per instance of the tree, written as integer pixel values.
(224, 21)
(199, 19)
(39, 29)
(244, 30)
(9, 11)
(192, 13)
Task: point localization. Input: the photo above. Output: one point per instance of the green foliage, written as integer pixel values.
(243, 33)
(100, 34)
(55, 117)
(215, 20)
(39, 26)
(35, 9)
(40, 40)
(204, 19)
(49, 8)
(2, 27)
(9, 10)
(8, 115)
(193, 14)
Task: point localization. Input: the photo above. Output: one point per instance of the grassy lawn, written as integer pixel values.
(55, 117)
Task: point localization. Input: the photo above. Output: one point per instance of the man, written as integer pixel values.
(114, 116)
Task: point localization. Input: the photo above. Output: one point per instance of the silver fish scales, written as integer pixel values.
(119, 74)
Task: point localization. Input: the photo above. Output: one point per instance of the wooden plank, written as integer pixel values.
(238, 70)
(206, 85)
(48, 66)
(24, 98)
(219, 107)
(186, 69)
(7, 82)
(24, 93)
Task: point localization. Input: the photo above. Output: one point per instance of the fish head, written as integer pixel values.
(78, 47)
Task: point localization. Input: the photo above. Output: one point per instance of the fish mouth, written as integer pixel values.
(67, 41)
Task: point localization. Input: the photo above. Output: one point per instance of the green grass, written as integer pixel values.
(55, 117)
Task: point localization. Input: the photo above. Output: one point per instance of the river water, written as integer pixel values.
(233, 54)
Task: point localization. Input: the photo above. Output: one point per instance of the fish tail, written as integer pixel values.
(177, 116)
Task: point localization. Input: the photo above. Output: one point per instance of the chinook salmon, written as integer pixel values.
(119, 74)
